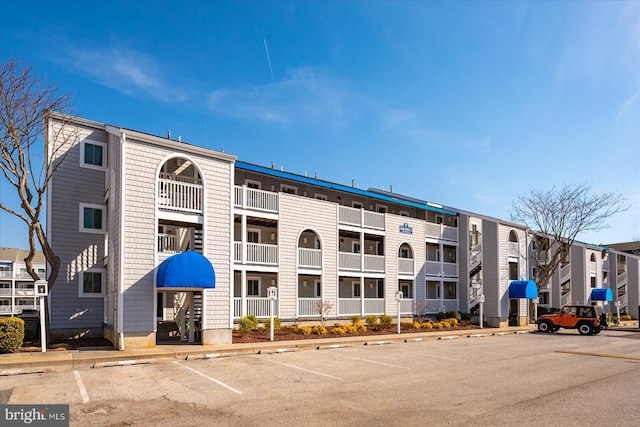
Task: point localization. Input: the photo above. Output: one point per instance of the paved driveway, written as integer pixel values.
(524, 379)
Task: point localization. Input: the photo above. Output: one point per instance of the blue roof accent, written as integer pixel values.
(338, 187)
(601, 294)
(523, 289)
(186, 270)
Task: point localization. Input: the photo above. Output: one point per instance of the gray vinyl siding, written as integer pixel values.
(113, 228)
(296, 215)
(393, 240)
(490, 269)
(78, 251)
(463, 263)
(633, 285)
(579, 292)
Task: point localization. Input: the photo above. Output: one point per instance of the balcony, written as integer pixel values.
(310, 258)
(406, 306)
(437, 305)
(256, 253)
(441, 269)
(361, 218)
(180, 194)
(513, 249)
(565, 273)
(308, 307)
(352, 262)
(256, 306)
(254, 199)
(360, 306)
(441, 232)
(405, 266)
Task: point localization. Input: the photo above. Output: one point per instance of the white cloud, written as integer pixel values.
(125, 70)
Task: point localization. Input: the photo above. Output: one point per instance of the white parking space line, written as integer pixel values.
(83, 391)
(437, 357)
(209, 378)
(372, 361)
(304, 369)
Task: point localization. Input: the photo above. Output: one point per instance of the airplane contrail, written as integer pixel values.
(266, 49)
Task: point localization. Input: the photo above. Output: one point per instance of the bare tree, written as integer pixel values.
(27, 101)
(323, 308)
(421, 309)
(558, 215)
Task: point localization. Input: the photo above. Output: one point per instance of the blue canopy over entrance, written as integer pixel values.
(601, 294)
(186, 270)
(523, 289)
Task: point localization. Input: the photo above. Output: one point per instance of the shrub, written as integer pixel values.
(453, 321)
(441, 315)
(276, 323)
(338, 330)
(445, 324)
(356, 319)
(248, 323)
(465, 316)
(319, 330)
(427, 325)
(437, 325)
(11, 334)
(350, 329)
(415, 325)
(385, 320)
(453, 315)
(371, 320)
(360, 326)
(625, 317)
(303, 330)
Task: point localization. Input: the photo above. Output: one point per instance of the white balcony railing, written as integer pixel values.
(405, 266)
(565, 273)
(436, 305)
(349, 261)
(374, 306)
(237, 251)
(441, 232)
(406, 306)
(360, 218)
(4, 274)
(565, 299)
(251, 198)
(622, 278)
(374, 263)
(593, 266)
(433, 268)
(237, 307)
(5, 291)
(6, 309)
(513, 249)
(449, 269)
(308, 307)
(179, 196)
(349, 306)
(260, 253)
(167, 243)
(259, 306)
(309, 258)
(28, 292)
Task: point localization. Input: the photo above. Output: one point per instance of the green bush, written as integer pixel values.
(386, 320)
(356, 319)
(248, 323)
(11, 334)
(441, 315)
(453, 315)
(371, 320)
(276, 323)
(453, 321)
(465, 316)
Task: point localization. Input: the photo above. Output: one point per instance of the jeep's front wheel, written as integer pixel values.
(545, 326)
(585, 328)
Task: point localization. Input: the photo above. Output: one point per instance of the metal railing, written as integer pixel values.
(252, 198)
(308, 307)
(309, 258)
(374, 263)
(441, 232)
(360, 218)
(349, 306)
(260, 253)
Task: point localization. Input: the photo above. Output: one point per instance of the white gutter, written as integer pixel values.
(123, 140)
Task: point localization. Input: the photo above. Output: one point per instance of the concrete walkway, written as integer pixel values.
(57, 360)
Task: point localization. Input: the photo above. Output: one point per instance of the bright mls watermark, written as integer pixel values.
(36, 415)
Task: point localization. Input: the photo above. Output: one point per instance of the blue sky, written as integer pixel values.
(467, 104)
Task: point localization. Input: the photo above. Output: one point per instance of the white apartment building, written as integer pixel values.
(16, 286)
(151, 230)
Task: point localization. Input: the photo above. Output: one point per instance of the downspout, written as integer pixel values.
(123, 140)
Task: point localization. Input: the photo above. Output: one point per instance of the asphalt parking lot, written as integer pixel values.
(516, 379)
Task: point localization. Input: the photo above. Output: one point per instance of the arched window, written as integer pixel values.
(593, 258)
(513, 237)
(405, 251)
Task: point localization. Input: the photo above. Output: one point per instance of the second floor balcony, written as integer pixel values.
(441, 232)
(358, 262)
(255, 253)
(180, 194)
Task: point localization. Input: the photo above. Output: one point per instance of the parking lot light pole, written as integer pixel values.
(41, 291)
(272, 292)
(481, 299)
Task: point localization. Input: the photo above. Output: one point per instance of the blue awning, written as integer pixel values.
(601, 294)
(523, 289)
(186, 270)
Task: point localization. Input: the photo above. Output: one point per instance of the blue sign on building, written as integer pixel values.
(404, 228)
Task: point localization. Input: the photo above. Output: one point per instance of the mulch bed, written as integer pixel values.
(288, 333)
(32, 345)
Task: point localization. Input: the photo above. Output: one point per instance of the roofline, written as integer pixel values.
(335, 186)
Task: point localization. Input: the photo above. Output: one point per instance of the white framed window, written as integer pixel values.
(356, 289)
(253, 236)
(92, 218)
(381, 208)
(439, 219)
(289, 189)
(317, 288)
(93, 155)
(321, 196)
(356, 205)
(356, 247)
(253, 184)
(253, 287)
(91, 283)
(450, 290)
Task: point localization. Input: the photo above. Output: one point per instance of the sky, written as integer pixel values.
(466, 104)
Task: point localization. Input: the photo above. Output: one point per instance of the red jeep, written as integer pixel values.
(584, 318)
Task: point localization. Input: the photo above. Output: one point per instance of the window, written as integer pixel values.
(382, 209)
(92, 218)
(439, 219)
(405, 253)
(91, 282)
(253, 236)
(289, 189)
(356, 247)
(449, 291)
(404, 213)
(321, 196)
(513, 271)
(356, 205)
(544, 298)
(318, 289)
(593, 282)
(93, 155)
(253, 287)
(252, 184)
(356, 289)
